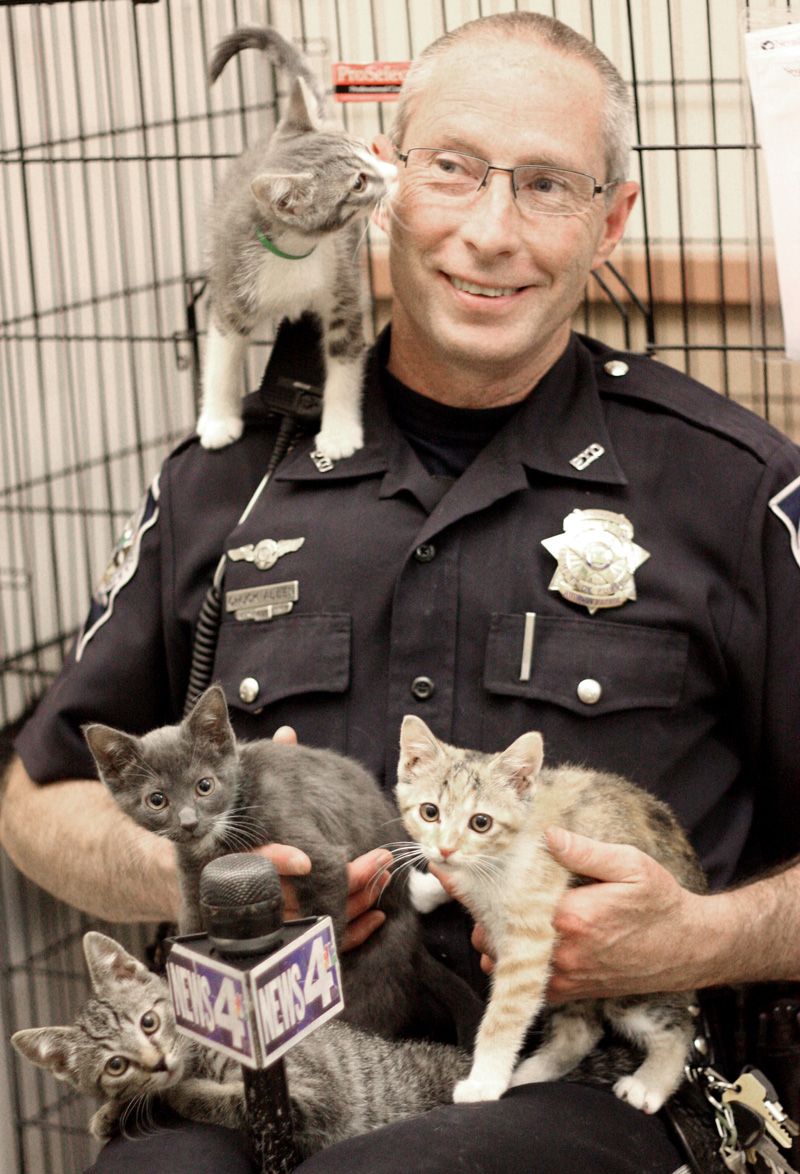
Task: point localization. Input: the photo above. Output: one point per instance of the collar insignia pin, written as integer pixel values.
(596, 558)
(265, 554)
(322, 463)
(589, 455)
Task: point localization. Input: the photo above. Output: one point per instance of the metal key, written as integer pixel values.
(773, 1104)
(753, 1090)
(770, 1156)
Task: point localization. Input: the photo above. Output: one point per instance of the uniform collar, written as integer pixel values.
(560, 420)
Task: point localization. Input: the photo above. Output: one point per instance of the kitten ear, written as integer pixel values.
(47, 1047)
(303, 110)
(209, 723)
(419, 746)
(113, 751)
(283, 195)
(109, 963)
(519, 765)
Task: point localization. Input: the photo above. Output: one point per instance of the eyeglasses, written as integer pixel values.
(538, 188)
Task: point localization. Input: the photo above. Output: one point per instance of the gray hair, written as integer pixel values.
(506, 26)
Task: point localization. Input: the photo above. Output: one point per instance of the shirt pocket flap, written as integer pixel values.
(588, 666)
(259, 663)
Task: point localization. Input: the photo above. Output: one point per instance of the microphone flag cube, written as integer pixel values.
(254, 1014)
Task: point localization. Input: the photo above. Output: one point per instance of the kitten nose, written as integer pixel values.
(445, 852)
(187, 817)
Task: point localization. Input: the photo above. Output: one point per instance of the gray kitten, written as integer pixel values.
(285, 228)
(481, 818)
(195, 784)
(124, 1047)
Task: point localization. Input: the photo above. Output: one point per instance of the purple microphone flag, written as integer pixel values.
(256, 1015)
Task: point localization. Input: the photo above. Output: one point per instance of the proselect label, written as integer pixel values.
(373, 81)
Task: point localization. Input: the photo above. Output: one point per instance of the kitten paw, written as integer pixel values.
(637, 1094)
(340, 442)
(104, 1123)
(470, 1090)
(425, 891)
(220, 431)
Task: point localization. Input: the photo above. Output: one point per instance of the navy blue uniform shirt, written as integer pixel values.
(412, 593)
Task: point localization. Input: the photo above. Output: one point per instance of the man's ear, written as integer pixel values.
(616, 217)
(383, 148)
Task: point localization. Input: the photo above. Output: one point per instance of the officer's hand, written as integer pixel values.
(631, 933)
(365, 876)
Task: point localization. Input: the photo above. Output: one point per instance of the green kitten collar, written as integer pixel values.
(273, 248)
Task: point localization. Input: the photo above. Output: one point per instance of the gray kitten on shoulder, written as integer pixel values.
(284, 232)
(195, 784)
(124, 1046)
(482, 818)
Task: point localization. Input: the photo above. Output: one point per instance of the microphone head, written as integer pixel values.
(241, 902)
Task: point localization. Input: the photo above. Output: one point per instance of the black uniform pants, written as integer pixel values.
(533, 1129)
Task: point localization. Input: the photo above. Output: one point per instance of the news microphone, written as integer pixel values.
(252, 986)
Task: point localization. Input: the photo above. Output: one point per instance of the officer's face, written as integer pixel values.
(509, 103)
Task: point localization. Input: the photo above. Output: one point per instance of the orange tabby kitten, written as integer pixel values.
(481, 819)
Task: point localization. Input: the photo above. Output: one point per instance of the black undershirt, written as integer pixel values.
(446, 439)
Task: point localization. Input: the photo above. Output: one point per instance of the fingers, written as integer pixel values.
(583, 856)
(361, 928)
(288, 860)
(367, 876)
(285, 735)
(480, 942)
(445, 879)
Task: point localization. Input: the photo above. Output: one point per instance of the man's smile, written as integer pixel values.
(485, 291)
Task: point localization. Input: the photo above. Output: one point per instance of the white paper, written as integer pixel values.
(773, 68)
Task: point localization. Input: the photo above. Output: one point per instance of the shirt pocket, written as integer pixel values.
(589, 667)
(291, 670)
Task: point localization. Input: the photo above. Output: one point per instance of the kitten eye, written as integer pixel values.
(360, 182)
(481, 822)
(116, 1066)
(429, 812)
(156, 800)
(149, 1022)
(204, 786)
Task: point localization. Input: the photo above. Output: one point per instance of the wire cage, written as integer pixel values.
(110, 144)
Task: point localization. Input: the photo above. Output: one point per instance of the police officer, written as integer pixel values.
(538, 533)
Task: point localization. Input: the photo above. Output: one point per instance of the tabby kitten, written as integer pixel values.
(196, 785)
(481, 818)
(124, 1046)
(284, 232)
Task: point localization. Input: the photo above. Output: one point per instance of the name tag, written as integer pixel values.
(272, 595)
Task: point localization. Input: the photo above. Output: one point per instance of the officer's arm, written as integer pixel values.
(73, 840)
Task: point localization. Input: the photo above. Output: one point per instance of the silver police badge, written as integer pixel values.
(596, 558)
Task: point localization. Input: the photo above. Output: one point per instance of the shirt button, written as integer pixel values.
(589, 691)
(422, 688)
(616, 367)
(249, 690)
(425, 552)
